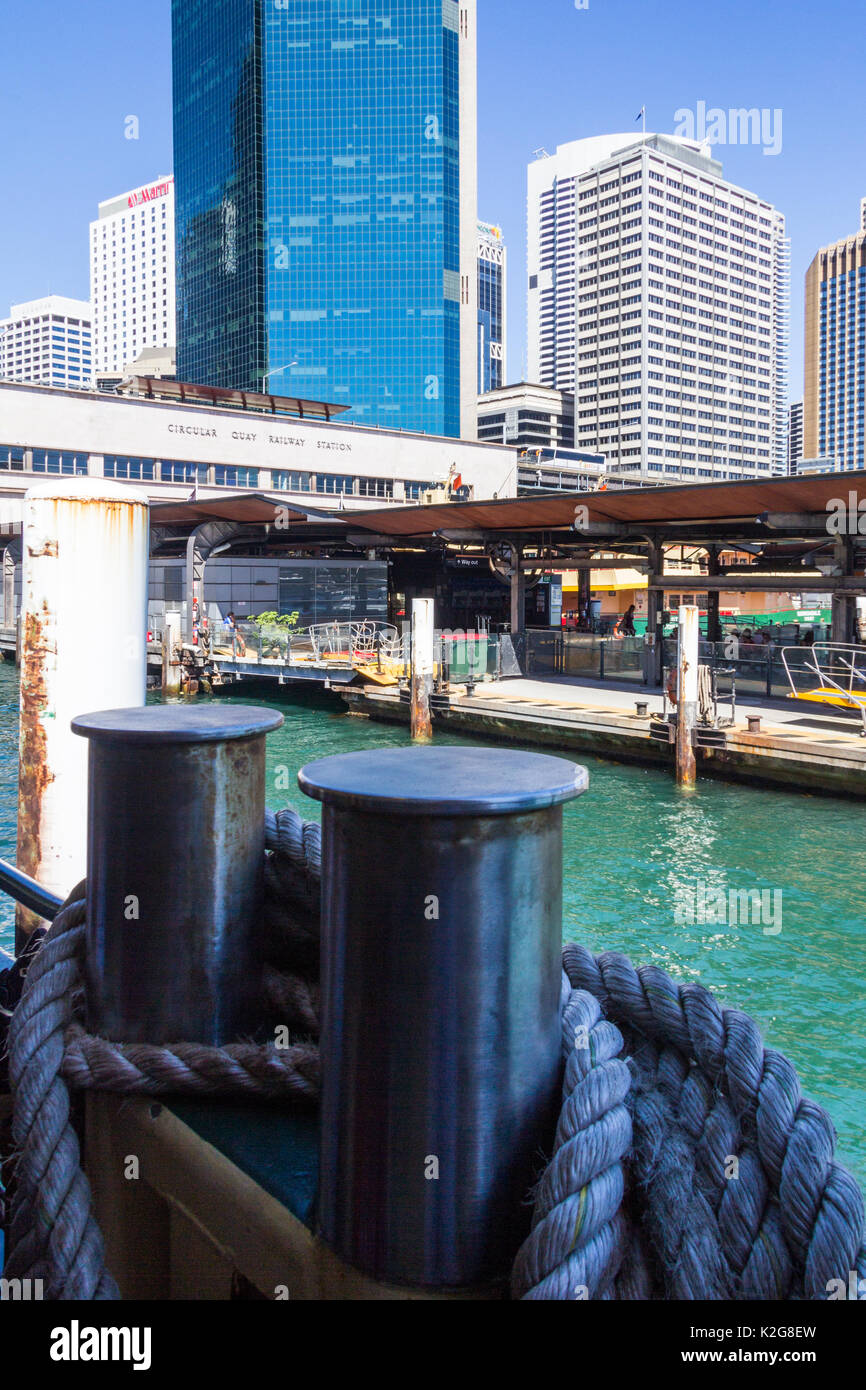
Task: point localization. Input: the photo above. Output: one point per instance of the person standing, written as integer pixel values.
(625, 625)
(238, 642)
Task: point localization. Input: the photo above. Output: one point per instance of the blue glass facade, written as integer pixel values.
(490, 325)
(318, 203)
(217, 98)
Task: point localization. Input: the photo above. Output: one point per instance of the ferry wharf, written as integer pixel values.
(772, 741)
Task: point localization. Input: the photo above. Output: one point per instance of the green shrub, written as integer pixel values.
(289, 621)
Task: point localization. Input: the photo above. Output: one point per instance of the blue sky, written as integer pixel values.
(547, 73)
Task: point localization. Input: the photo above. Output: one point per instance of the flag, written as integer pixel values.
(641, 112)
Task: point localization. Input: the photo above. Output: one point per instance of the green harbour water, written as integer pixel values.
(636, 851)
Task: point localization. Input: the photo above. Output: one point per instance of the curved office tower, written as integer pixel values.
(325, 173)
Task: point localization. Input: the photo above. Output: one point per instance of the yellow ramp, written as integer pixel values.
(827, 696)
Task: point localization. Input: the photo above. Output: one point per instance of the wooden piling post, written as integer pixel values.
(170, 663)
(421, 669)
(687, 693)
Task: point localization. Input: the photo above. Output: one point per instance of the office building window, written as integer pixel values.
(236, 477)
(55, 461)
(134, 469)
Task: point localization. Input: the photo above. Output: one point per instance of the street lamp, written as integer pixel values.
(275, 370)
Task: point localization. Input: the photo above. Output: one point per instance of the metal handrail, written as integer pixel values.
(28, 892)
(840, 655)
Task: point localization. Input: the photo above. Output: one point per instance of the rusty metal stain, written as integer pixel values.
(48, 547)
(34, 774)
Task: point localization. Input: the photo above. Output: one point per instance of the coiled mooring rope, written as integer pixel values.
(685, 1163)
(703, 1174)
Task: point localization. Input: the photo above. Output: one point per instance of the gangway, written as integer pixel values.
(328, 652)
(829, 674)
(334, 653)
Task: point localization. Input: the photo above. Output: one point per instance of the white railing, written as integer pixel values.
(357, 641)
(829, 673)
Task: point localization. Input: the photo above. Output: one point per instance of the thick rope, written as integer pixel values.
(728, 1171)
(292, 893)
(579, 1232)
(236, 1070)
(299, 841)
(53, 1235)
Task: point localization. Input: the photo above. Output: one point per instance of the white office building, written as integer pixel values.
(47, 342)
(132, 279)
(658, 293)
(527, 415)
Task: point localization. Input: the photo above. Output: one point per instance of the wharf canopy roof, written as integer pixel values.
(648, 507)
(247, 507)
(798, 509)
(188, 393)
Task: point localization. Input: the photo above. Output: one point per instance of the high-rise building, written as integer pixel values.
(491, 307)
(658, 293)
(132, 275)
(835, 357)
(863, 214)
(540, 422)
(325, 167)
(528, 415)
(795, 435)
(47, 342)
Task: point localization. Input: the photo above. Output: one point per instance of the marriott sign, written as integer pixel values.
(148, 193)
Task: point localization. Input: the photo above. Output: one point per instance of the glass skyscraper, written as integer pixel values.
(325, 176)
(491, 307)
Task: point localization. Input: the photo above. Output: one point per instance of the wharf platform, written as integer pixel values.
(794, 747)
(324, 673)
(225, 1208)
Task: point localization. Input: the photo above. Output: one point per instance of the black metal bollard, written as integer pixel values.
(175, 854)
(440, 1038)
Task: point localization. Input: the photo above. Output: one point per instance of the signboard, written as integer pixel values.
(148, 193)
(555, 600)
(467, 562)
